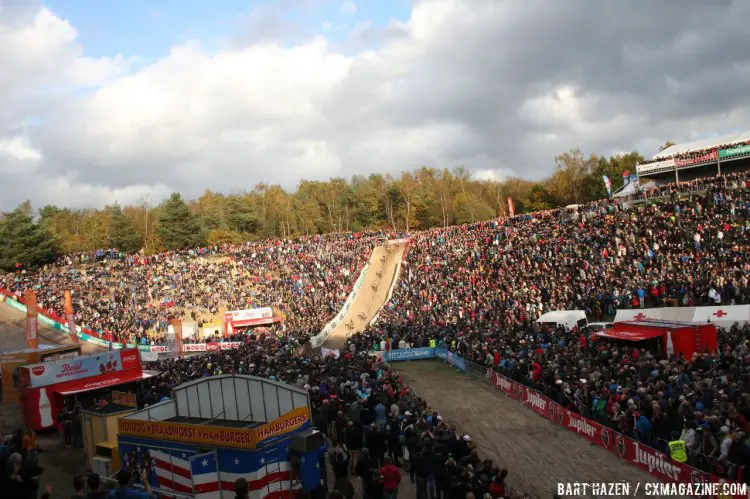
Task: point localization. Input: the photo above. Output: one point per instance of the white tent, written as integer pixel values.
(567, 318)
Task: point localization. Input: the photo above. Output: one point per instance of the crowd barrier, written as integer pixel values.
(636, 453)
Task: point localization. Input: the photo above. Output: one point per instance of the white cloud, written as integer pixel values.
(18, 148)
(462, 82)
(348, 8)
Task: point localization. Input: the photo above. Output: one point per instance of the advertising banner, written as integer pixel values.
(32, 324)
(409, 354)
(711, 156)
(69, 316)
(456, 361)
(635, 453)
(666, 164)
(735, 151)
(84, 366)
(214, 436)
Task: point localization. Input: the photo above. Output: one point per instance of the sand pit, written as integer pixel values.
(537, 453)
(381, 274)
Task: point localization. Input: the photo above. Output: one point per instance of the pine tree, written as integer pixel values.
(24, 243)
(178, 228)
(122, 233)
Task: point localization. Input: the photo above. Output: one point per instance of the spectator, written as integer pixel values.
(95, 487)
(79, 487)
(391, 479)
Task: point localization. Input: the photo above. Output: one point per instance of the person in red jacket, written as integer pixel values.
(391, 478)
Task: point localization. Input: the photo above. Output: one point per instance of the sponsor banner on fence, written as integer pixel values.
(635, 453)
(84, 366)
(210, 347)
(456, 361)
(409, 354)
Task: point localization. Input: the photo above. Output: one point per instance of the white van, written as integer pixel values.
(566, 318)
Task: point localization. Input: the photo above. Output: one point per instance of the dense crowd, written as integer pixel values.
(305, 280)
(478, 290)
(376, 425)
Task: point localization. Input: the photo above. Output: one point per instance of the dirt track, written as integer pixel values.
(537, 453)
(12, 327)
(383, 265)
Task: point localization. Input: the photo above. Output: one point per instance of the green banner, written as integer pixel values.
(735, 151)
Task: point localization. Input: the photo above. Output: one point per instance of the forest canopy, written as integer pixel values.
(418, 199)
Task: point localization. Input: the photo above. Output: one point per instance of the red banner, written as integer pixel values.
(511, 207)
(633, 452)
(69, 316)
(32, 321)
(712, 156)
(177, 326)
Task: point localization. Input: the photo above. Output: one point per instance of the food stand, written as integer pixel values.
(221, 428)
(11, 360)
(44, 386)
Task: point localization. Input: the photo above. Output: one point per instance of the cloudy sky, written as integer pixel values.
(116, 100)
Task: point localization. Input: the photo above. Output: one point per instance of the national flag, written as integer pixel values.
(171, 470)
(268, 473)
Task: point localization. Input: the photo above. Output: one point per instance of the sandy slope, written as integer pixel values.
(373, 294)
(12, 327)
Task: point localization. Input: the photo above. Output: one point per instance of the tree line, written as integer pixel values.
(418, 199)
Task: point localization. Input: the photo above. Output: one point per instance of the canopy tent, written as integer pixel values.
(567, 318)
(105, 381)
(687, 338)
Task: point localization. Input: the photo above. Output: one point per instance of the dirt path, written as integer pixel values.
(537, 453)
(382, 270)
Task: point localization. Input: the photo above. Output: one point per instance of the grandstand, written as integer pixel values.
(701, 158)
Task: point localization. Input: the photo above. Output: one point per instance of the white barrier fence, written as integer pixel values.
(318, 340)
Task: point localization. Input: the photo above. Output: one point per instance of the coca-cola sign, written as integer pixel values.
(83, 366)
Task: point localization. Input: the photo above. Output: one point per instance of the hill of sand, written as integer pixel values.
(13, 325)
(381, 275)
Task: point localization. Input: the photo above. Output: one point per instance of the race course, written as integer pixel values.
(12, 327)
(537, 453)
(380, 276)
